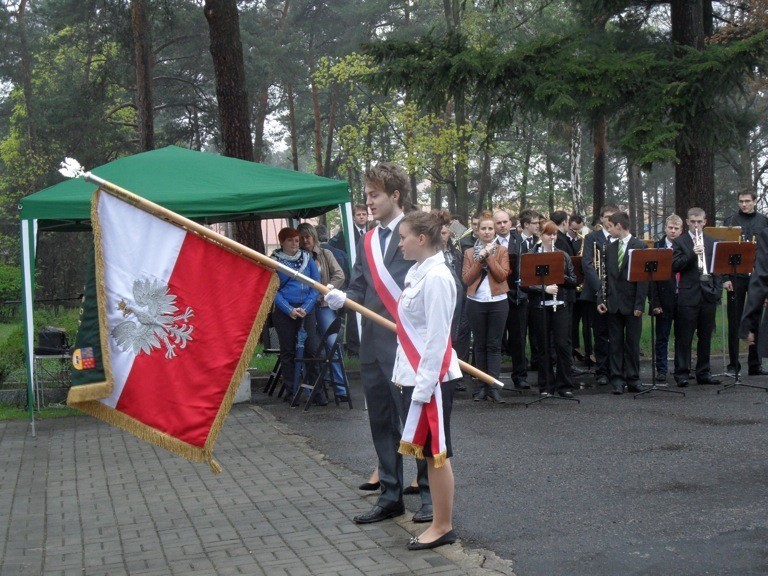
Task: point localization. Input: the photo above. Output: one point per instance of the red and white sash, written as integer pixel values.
(424, 421)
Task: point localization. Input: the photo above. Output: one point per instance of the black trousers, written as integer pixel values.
(599, 324)
(488, 320)
(689, 320)
(624, 361)
(352, 335)
(554, 325)
(735, 309)
(464, 336)
(517, 330)
(581, 328)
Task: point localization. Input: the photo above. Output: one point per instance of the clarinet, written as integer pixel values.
(554, 297)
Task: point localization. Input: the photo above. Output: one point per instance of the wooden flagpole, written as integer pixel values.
(254, 256)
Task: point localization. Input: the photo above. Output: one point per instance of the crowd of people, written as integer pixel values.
(472, 299)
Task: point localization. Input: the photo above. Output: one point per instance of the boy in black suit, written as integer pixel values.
(624, 305)
(698, 293)
(664, 299)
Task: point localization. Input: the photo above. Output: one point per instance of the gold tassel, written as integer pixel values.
(411, 449)
(215, 466)
(440, 459)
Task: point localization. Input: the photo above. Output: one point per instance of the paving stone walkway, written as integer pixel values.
(84, 498)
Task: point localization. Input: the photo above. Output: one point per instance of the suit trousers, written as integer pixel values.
(736, 301)
(385, 412)
(701, 320)
(624, 360)
(663, 329)
(601, 340)
(517, 329)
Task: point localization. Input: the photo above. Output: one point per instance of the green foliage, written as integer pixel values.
(10, 289)
(12, 354)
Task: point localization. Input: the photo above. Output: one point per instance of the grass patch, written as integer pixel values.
(15, 413)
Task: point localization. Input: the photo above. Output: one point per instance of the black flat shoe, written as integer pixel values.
(447, 538)
(369, 486)
(565, 394)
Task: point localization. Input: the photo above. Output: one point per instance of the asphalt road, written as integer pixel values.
(659, 485)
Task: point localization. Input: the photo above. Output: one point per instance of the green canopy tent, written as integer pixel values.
(204, 187)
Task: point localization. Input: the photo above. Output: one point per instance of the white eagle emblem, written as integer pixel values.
(155, 323)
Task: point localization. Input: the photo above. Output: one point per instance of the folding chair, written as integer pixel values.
(326, 358)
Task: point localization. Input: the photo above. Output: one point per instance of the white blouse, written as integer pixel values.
(427, 301)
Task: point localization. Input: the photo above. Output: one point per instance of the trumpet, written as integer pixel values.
(702, 259)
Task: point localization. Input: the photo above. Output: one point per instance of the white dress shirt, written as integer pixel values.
(428, 301)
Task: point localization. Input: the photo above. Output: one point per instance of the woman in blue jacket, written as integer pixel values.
(294, 301)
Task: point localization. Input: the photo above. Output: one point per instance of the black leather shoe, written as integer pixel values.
(369, 486)
(447, 538)
(578, 371)
(460, 387)
(618, 389)
(565, 394)
(758, 371)
(661, 377)
(602, 380)
(494, 395)
(424, 514)
(710, 381)
(682, 383)
(522, 385)
(635, 388)
(479, 395)
(377, 514)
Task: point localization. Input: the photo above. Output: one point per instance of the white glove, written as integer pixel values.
(335, 299)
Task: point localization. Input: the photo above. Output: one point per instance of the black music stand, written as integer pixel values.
(643, 266)
(734, 258)
(541, 269)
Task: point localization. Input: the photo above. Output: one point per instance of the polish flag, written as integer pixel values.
(179, 318)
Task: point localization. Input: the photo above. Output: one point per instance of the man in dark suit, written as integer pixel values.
(581, 329)
(751, 223)
(698, 293)
(663, 298)
(359, 228)
(624, 306)
(753, 317)
(386, 188)
(594, 249)
(517, 319)
(562, 242)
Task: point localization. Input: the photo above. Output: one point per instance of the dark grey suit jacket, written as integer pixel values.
(692, 290)
(756, 294)
(377, 344)
(624, 297)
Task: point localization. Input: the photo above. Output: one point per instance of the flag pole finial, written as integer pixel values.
(71, 168)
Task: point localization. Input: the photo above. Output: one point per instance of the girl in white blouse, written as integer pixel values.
(426, 365)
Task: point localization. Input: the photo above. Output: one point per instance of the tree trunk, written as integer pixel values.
(550, 183)
(600, 144)
(260, 118)
(26, 74)
(485, 177)
(462, 186)
(526, 170)
(632, 185)
(227, 52)
(577, 193)
(292, 125)
(142, 43)
(327, 168)
(694, 173)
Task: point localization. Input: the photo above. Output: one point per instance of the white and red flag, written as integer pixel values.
(179, 317)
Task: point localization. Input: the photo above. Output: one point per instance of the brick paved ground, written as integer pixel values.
(83, 498)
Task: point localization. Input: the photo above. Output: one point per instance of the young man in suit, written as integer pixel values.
(623, 307)
(754, 321)
(698, 293)
(517, 319)
(594, 250)
(663, 298)
(376, 286)
(751, 223)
